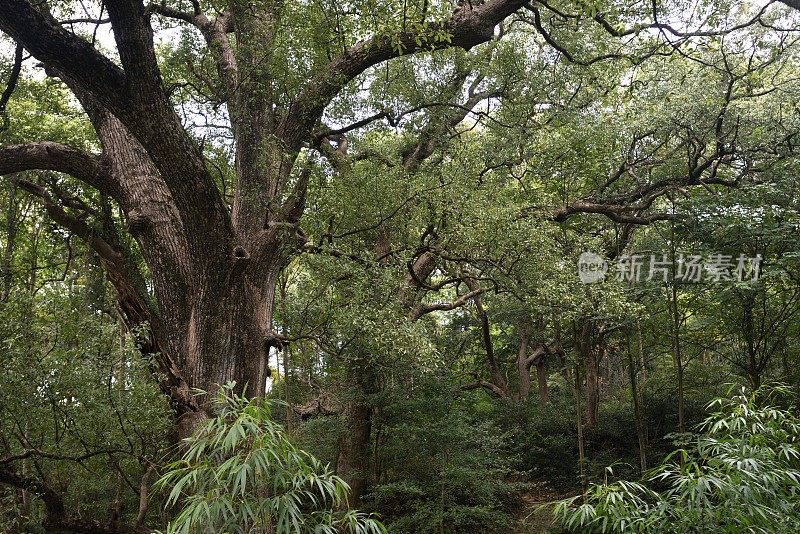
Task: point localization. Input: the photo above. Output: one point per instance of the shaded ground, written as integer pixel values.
(536, 516)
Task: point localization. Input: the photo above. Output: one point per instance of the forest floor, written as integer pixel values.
(537, 507)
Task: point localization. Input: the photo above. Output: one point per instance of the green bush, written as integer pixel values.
(79, 410)
(443, 470)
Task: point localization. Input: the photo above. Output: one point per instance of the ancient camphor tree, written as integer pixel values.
(212, 267)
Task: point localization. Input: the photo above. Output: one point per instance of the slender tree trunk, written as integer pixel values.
(144, 487)
(287, 358)
(94, 294)
(380, 439)
(579, 426)
(592, 390)
(591, 350)
(33, 272)
(524, 364)
(11, 234)
(638, 414)
(754, 378)
(640, 352)
(497, 376)
(676, 333)
(754, 367)
(681, 403)
(677, 357)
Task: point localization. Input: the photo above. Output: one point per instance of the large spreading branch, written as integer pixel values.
(45, 38)
(47, 155)
(136, 97)
(469, 26)
(458, 302)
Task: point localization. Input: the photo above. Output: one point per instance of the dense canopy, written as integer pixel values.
(312, 266)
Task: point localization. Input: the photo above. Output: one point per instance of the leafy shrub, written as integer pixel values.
(740, 475)
(240, 474)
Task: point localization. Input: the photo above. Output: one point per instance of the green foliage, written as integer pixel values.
(543, 440)
(80, 402)
(740, 475)
(445, 469)
(241, 474)
(539, 119)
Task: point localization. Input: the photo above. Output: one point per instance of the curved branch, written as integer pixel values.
(469, 26)
(12, 79)
(47, 155)
(617, 213)
(490, 388)
(45, 38)
(462, 300)
(27, 453)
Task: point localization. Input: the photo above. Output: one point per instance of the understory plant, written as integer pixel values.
(241, 474)
(740, 474)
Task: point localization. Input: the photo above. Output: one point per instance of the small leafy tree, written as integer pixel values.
(241, 474)
(741, 475)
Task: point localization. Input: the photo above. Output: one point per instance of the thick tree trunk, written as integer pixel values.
(214, 316)
(228, 332)
(524, 364)
(353, 462)
(541, 380)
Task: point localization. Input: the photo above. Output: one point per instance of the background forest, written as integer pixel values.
(400, 193)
